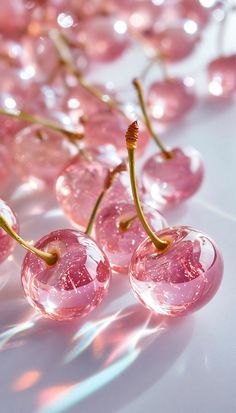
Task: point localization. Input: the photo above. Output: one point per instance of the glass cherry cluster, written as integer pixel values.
(173, 271)
(62, 131)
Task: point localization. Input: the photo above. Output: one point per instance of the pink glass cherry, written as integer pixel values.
(174, 42)
(195, 10)
(79, 102)
(102, 38)
(80, 183)
(108, 128)
(173, 180)
(221, 74)
(66, 275)
(72, 287)
(176, 270)
(170, 99)
(14, 18)
(181, 279)
(40, 154)
(140, 15)
(169, 176)
(7, 244)
(118, 231)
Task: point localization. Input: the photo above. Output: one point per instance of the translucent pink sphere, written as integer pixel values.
(79, 102)
(75, 285)
(40, 154)
(119, 244)
(139, 14)
(175, 42)
(5, 165)
(169, 100)
(102, 38)
(81, 182)
(171, 181)
(181, 279)
(7, 244)
(39, 57)
(222, 76)
(14, 17)
(108, 128)
(195, 11)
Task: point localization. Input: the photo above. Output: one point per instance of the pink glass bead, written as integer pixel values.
(171, 181)
(169, 100)
(13, 17)
(75, 285)
(5, 165)
(175, 42)
(81, 182)
(222, 76)
(181, 279)
(108, 128)
(103, 41)
(39, 57)
(119, 244)
(40, 154)
(7, 244)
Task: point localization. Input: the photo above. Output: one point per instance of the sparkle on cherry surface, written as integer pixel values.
(181, 279)
(72, 287)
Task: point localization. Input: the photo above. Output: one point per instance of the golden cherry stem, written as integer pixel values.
(125, 224)
(49, 258)
(37, 120)
(139, 90)
(107, 184)
(131, 143)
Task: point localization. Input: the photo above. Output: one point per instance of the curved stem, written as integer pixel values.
(139, 91)
(37, 120)
(66, 58)
(94, 213)
(131, 141)
(49, 258)
(125, 224)
(107, 184)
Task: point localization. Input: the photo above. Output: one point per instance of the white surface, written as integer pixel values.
(131, 362)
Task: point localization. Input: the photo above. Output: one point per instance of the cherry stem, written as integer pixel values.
(125, 224)
(153, 61)
(63, 49)
(107, 184)
(139, 90)
(49, 258)
(131, 143)
(19, 115)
